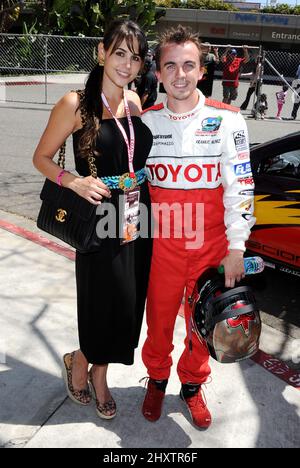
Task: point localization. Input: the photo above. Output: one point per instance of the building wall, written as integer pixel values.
(239, 27)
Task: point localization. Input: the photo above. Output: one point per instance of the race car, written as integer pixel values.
(276, 235)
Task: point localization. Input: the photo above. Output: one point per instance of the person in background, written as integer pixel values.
(295, 97)
(262, 106)
(210, 60)
(254, 76)
(280, 97)
(151, 57)
(231, 71)
(147, 86)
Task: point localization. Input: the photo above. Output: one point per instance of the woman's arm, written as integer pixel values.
(64, 120)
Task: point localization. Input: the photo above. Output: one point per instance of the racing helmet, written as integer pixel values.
(226, 319)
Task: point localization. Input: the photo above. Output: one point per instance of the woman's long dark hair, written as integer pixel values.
(116, 33)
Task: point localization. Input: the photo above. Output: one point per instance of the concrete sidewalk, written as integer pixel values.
(251, 407)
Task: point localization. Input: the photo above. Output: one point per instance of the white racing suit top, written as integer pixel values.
(202, 156)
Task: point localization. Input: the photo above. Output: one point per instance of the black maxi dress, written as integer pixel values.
(112, 283)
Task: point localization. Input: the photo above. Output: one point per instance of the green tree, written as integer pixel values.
(145, 13)
(90, 17)
(196, 4)
(9, 13)
(282, 9)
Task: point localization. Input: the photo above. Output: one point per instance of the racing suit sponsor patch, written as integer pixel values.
(187, 174)
(211, 124)
(246, 205)
(243, 155)
(247, 216)
(240, 140)
(247, 192)
(246, 180)
(160, 139)
(181, 117)
(209, 142)
(242, 168)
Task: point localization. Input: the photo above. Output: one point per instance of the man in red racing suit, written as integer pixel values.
(201, 190)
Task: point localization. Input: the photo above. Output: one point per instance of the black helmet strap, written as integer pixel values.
(228, 314)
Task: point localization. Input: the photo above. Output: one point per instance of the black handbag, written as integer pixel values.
(71, 218)
(68, 216)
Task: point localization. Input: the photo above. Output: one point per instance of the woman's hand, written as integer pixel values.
(234, 267)
(93, 190)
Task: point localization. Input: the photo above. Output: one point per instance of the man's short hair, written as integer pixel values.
(178, 35)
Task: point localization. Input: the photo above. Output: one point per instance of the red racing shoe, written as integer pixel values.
(154, 398)
(194, 399)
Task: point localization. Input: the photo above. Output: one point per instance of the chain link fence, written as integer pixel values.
(230, 68)
(280, 83)
(40, 69)
(268, 85)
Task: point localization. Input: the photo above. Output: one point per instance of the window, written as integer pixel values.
(283, 165)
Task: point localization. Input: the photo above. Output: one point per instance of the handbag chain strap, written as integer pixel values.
(62, 152)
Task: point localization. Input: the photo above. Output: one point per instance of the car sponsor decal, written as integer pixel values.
(242, 169)
(281, 255)
(240, 140)
(289, 270)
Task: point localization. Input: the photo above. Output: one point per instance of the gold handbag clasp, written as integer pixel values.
(61, 215)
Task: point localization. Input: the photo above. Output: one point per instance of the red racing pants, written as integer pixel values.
(174, 271)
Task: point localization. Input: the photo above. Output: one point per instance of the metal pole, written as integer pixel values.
(46, 70)
(281, 76)
(259, 81)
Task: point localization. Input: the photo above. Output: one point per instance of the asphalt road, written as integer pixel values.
(21, 125)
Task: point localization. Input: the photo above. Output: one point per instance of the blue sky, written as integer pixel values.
(268, 2)
(289, 2)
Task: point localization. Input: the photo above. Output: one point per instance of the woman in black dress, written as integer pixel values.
(112, 283)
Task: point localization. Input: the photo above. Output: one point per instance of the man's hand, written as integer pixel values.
(234, 267)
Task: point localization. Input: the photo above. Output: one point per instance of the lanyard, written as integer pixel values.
(130, 146)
